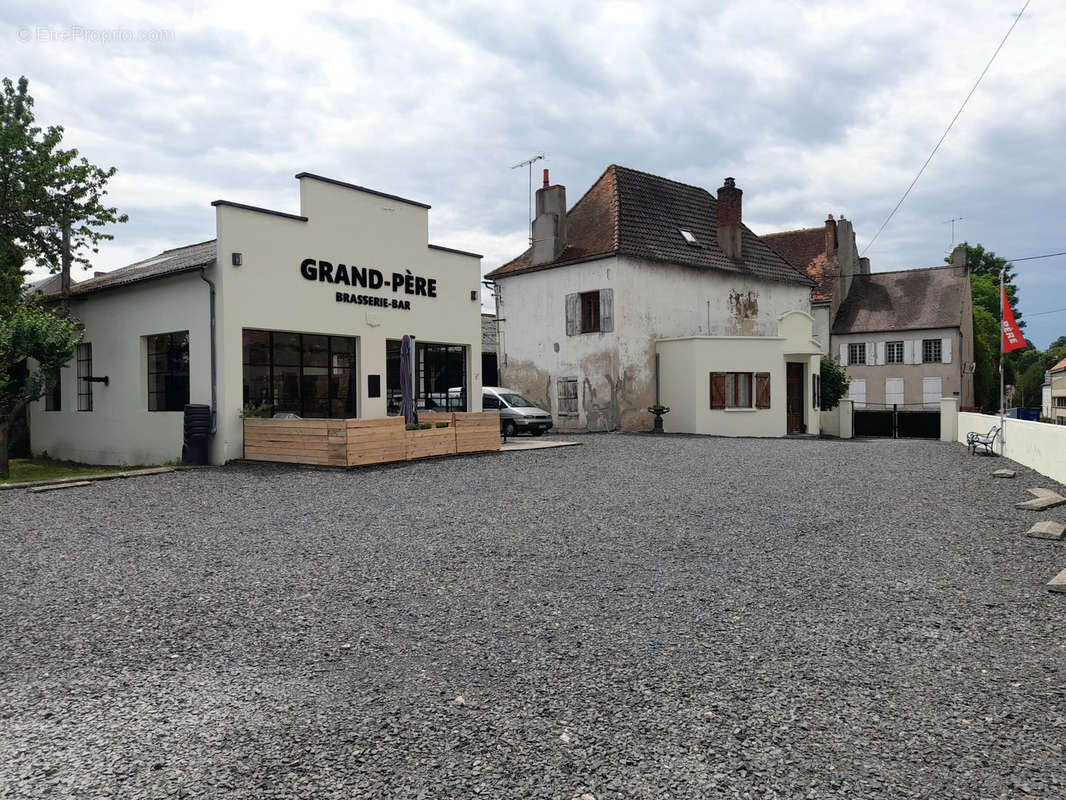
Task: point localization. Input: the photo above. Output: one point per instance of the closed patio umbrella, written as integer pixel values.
(407, 389)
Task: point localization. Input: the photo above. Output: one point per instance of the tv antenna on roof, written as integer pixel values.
(529, 162)
(953, 220)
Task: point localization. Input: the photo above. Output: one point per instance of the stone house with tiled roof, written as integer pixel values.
(1056, 377)
(905, 337)
(650, 289)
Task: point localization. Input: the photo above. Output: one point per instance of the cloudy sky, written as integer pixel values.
(814, 107)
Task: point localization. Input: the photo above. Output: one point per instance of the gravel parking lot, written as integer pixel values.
(638, 617)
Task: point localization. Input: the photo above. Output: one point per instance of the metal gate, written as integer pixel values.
(896, 423)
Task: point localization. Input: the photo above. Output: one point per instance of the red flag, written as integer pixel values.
(1012, 335)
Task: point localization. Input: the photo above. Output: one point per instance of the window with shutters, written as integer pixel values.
(566, 389)
(857, 353)
(931, 351)
(893, 352)
(85, 371)
(932, 390)
(590, 312)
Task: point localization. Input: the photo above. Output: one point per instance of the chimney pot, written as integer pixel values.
(546, 182)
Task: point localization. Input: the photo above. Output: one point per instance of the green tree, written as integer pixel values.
(44, 188)
(986, 360)
(29, 331)
(834, 383)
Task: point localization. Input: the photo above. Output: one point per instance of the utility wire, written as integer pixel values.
(950, 125)
(1042, 313)
(1034, 258)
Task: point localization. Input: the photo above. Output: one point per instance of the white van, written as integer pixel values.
(517, 415)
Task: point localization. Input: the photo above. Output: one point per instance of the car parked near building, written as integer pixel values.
(517, 415)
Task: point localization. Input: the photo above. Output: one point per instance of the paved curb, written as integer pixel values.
(81, 480)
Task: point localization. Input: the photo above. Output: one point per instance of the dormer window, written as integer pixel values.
(689, 238)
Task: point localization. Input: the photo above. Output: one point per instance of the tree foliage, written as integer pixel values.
(30, 331)
(42, 188)
(834, 383)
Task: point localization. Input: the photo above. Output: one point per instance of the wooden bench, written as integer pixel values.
(985, 440)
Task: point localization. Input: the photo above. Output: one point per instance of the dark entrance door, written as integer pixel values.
(794, 397)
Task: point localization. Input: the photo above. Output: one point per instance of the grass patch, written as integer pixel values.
(45, 469)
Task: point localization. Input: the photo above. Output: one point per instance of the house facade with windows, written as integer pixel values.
(906, 338)
(652, 290)
(285, 313)
(1057, 385)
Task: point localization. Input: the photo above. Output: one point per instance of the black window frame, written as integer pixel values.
(334, 374)
(854, 347)
(174, 395)
(932, 347)
(84, 357)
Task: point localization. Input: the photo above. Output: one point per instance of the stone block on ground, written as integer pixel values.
(1058, 583)
(1004, 473)
(1048, 529)
(1043, 499)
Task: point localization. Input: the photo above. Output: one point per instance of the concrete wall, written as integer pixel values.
(952, 383)
(120, 429)
(357, 229)
(1037, 445)
(616, 371)
(822, 325)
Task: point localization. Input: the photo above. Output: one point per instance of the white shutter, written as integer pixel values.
(857, 392)
(893, 391)
(606, 310)
(931, 391)
(843, 355)
(945, 350)
(871, 352)
(881, 353)
(908, 352)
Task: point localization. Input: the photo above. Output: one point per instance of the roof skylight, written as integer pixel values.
(689, 238)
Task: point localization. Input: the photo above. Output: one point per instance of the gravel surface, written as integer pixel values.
(638, 617)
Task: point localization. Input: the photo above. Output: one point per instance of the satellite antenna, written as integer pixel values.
(529, 162)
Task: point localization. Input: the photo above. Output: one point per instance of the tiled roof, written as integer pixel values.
(805, 249)
(633, 213)
(169, 262)
(906, 300)
(1057, 367)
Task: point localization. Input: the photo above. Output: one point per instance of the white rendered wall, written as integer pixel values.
(1037, 445)
(357, 229)
(616, 371)
(120, 429)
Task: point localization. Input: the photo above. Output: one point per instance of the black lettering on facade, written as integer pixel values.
(431, 286)
(307, 269)
(325, 271)
(375, 280)
(341, 275)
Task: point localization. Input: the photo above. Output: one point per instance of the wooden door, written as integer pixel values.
(794, 397)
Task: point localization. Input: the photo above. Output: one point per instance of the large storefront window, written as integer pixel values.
(300, 373)
(440, 377)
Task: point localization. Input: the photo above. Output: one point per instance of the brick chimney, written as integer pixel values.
(831, 242)
(549, 226)
(729, 230)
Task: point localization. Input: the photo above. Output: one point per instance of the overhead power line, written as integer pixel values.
(948, 129)
(1042, 313)
(1034, 258)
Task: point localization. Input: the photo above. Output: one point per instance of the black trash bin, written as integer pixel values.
(197, 429)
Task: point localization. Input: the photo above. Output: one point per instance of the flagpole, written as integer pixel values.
(1002, 427)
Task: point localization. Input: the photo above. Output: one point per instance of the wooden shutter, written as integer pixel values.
(573, 312)
(762, 389)
(871, 353)
(912, 351)
(717, 390)
(606, 310)
(880, 359)
(945, 350)
(843, 355)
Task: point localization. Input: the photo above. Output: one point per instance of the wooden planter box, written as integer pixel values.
(355, 442)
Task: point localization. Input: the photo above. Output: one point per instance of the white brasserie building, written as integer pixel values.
(294, 313)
